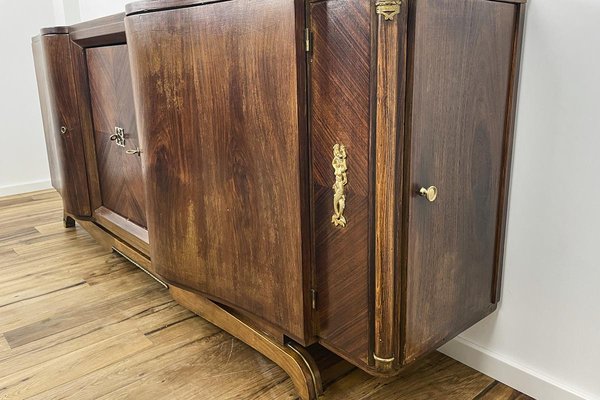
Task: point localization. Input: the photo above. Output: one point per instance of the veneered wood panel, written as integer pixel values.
(462, 57)
(42, 85)
(340, 113)
(66, 158)
(111, 96)
(219, 118)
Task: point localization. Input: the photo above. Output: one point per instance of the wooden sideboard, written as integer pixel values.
(315, 177)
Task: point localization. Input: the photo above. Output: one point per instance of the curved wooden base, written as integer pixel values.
(292, 358)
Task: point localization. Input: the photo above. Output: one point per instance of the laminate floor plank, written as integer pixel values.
(4, 347)
(141, 366)
(150, 320)
(66, 368)
(133, 302)
(69, 308)
(53, 227)
(499, 391)
(78, 321)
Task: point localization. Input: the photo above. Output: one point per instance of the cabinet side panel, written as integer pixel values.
(64, 128)
(42, 84)
(462, 61)
(217, 97)
(340, 114)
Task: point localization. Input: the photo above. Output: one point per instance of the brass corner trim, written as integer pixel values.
(157, 279)
(388, 8)
(383, 360)
(339, 187)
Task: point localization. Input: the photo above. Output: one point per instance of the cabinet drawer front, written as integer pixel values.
(111, 97)
(219, 106)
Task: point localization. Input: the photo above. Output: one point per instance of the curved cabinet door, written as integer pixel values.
(218, 93)
(62, 129)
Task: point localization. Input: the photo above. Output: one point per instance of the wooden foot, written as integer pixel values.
(293, 359)
(68, 222)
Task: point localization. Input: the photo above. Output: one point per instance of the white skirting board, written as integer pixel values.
(24, 188)
(510, 373)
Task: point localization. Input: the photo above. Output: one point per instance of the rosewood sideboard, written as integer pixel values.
(314, 177)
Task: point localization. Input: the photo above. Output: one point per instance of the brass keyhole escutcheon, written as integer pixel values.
(430, 193)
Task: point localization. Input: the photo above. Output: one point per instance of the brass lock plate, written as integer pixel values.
(119, 136)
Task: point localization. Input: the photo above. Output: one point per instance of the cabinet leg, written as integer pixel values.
(294, 360)
(68, 222)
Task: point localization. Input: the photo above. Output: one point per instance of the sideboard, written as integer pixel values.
(314, 177)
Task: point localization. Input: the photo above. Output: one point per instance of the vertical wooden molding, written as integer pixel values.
(508, 151)
(65, 129)
(85, 120)
(389, 41)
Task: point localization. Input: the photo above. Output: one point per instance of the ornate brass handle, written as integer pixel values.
(430, 193)
(341, 180)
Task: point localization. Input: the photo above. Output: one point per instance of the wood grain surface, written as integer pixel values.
(111, 94)
(77, 321)
(222, 149)
(340, 113)
(44, 98)
(459, 96)
(389, 44)
(62, 128)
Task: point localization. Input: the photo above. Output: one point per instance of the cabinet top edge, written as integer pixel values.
(496, 1)
(54, 30)
(510, 1)
(81, 26)
(147, 6)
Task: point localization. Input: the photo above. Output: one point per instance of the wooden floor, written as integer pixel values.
(79, 322)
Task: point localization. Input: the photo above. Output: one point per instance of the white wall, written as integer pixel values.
(544, 339)
(90, 9)
(548, 325)
(23, 160)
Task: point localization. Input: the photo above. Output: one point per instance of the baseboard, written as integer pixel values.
(24, 188)
(510, 373)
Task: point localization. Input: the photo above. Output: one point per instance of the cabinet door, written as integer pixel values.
(58, 99)
(462, 58)
(218, 91)
(340, 114)
(113, 111)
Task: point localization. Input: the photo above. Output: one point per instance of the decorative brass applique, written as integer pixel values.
(341, 180)
(388, 8)
(384, 360)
